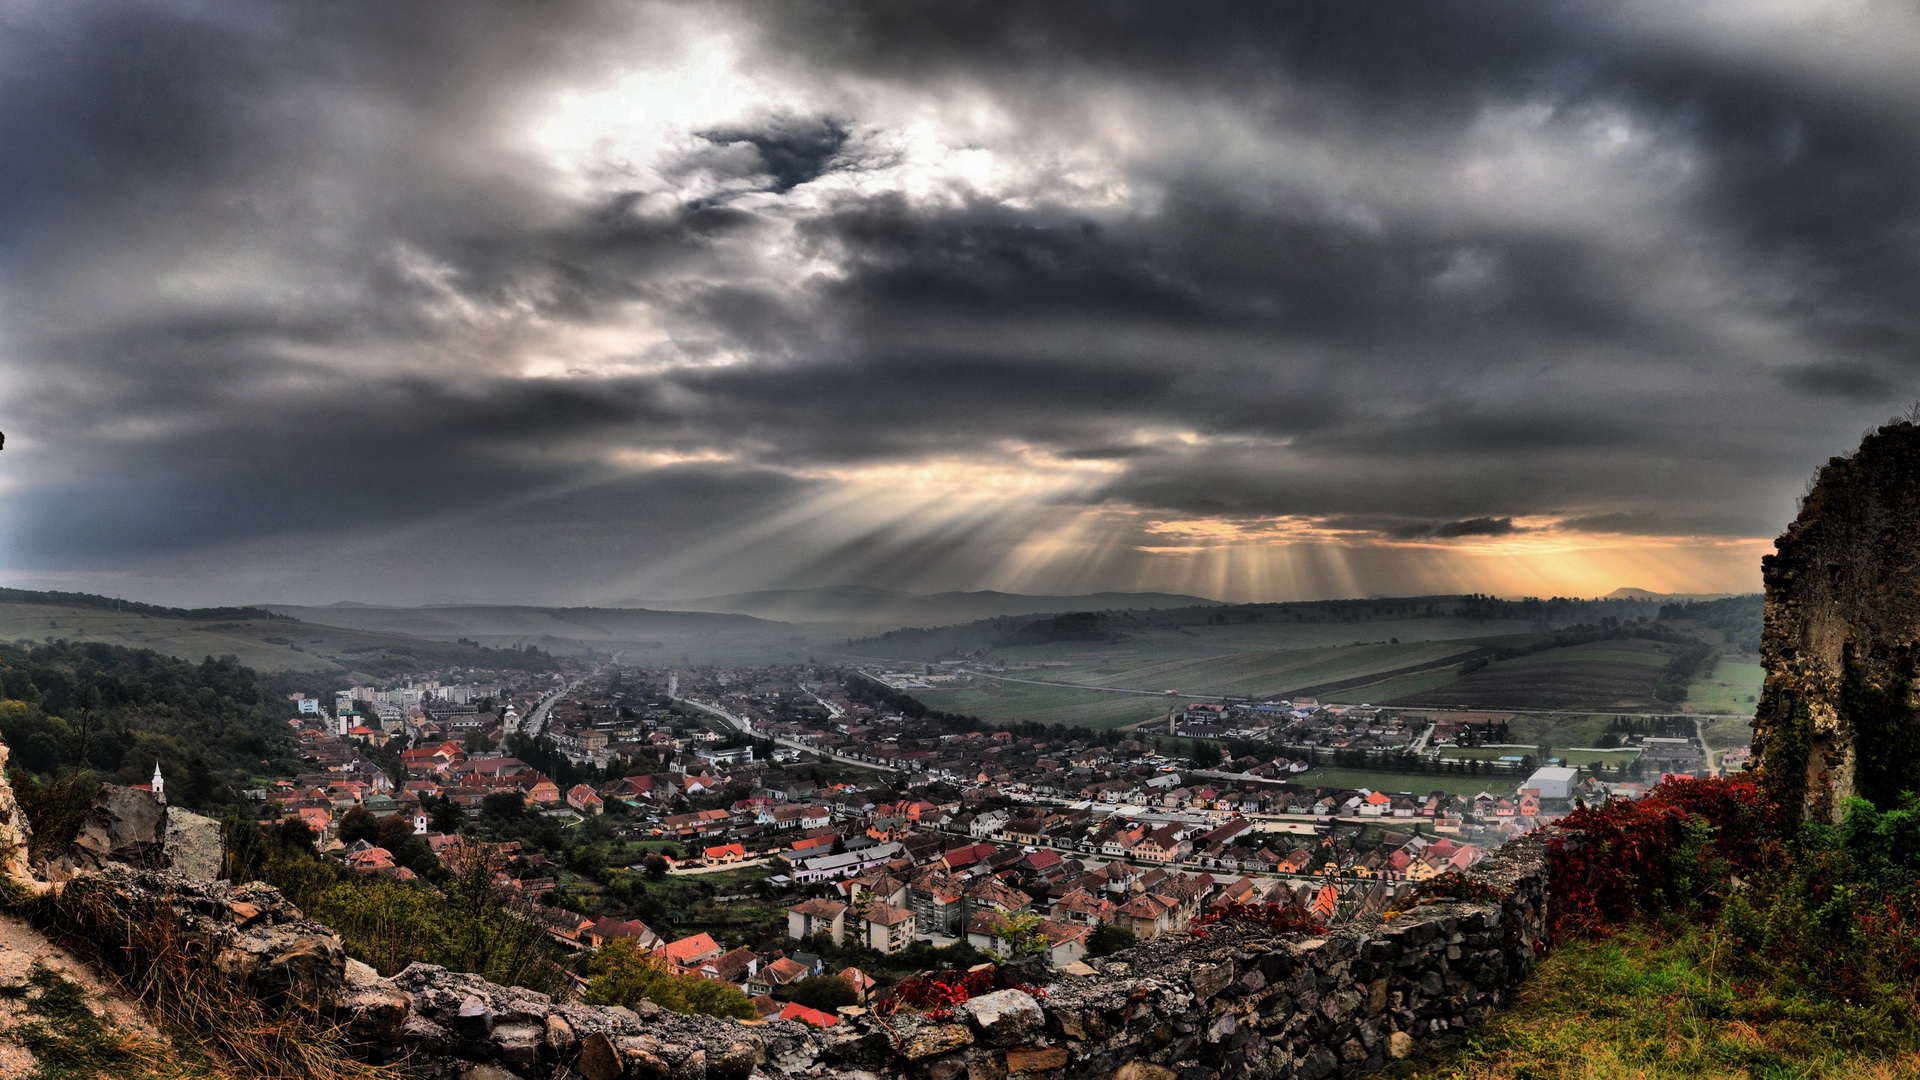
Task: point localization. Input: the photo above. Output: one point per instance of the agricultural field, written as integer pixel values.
(1731, 687)
(1399, 686)
(1003, 702)
(1151, 637)
(1607, 675)
(1260, 674)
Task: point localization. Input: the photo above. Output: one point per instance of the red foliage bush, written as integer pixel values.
(942, 989)
(1612, 863)
(1279, 918)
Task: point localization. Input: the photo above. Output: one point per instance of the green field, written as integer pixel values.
(1400, 686)
(1599, 652)
(1731, 687)
(996, 701)
(1393, 782)
(1150, 637)
(1259, 674)
(1600, 675)
(1559, 729)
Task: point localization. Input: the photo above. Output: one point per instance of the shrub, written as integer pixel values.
(825, 992)
(1673, 850)
(1276, 918)
(1110, 939)
(624, 974)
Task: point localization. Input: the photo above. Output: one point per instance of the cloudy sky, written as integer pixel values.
(579, 303)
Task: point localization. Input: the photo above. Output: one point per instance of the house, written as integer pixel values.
(817, 916)
(691, 952)
(603, 930)
(861, 982)
(1066, 942)
(585, 799)
(1161, 845)
(724, 855)
(935, 897)
(889, 929)
(784, 971)
(796, 1011)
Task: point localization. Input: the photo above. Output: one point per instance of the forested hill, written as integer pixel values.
(114, 711)
(132, 607)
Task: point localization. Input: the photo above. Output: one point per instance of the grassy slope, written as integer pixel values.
(324, 649)
(187, 639)
(1643, 1007)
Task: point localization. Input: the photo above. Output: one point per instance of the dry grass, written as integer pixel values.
(158, 961)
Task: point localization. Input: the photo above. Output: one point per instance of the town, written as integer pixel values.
(766, 826)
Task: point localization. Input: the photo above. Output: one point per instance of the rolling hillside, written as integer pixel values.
(863, 606)
(670, 636)
(266, 644)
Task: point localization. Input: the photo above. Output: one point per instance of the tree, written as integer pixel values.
(1022, 935)
(1109, 939)
(359, 824)
(825, 992)
(504, 805)
(624, 974)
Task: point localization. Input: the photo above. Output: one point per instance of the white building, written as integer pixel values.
(1553, 782)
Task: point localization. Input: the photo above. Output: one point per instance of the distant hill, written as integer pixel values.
(640, 635)
(260, 639)
(1643, 594)
(861, 605)
(579, 624)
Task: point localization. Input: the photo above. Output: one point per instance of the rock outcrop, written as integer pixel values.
(1236, 1004)
(15, 837)
(1837, 716)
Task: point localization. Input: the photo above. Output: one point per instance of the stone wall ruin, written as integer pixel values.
(1836, 718)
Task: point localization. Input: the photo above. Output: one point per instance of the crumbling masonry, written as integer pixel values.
(1837, 716)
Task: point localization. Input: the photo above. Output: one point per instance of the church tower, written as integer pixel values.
(159, 784)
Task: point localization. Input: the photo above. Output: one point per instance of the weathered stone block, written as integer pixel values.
(1006, 1017)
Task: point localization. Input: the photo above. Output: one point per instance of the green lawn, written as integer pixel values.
(1731, 687)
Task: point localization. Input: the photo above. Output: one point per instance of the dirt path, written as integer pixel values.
(22, 948)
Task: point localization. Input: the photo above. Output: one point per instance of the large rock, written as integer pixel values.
(126, 826)
(15, 835)
(193, 843)
(1842, 638)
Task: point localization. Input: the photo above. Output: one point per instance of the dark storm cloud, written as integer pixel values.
(1448, 530)
(1853, 381)
(1430, 266)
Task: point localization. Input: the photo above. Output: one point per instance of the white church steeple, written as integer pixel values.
(159, 784)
